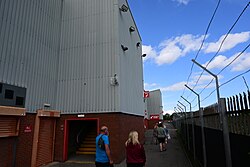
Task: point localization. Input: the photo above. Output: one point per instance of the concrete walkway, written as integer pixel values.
(174, 156)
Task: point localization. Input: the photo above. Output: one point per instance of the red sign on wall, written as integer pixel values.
(146, 94)
(154, 117)
(27, 129)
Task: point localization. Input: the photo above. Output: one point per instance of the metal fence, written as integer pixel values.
(237, 110)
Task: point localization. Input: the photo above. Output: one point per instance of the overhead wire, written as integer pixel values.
(235, 58)
(230, 80)
(202, 43)
(219, 51)
(227, 66)
(217, 54)
(222, 42)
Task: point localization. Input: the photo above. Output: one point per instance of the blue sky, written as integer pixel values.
(172, 32)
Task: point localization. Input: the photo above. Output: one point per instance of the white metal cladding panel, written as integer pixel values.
(87, 57)
(154, 102)
(131, 71)
(29, 34)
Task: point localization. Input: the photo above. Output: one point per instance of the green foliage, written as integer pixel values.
(167, 117)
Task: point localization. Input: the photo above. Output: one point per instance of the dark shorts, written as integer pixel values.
(161, 139)
(99, 164)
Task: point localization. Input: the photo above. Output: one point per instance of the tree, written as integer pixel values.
(167, 117)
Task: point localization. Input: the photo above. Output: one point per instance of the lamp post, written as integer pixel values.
(192, 119)
(186, 125)
(223, 119)
(202, 127)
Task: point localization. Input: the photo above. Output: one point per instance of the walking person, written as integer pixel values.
(103, 153)
(161, 137)
(154, 139)
(166, 134)
(135, 153)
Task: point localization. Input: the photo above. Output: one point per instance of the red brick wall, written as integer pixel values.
(25, 141)
(119, 127)
(6, 151)
(58, 156)
(127, 124)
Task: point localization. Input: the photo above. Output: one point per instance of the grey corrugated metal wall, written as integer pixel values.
(65, 52)
(88, 58)
(131, 74)
(29, 47)
(154, 103)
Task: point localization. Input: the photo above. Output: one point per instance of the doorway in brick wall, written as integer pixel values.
(79, 140)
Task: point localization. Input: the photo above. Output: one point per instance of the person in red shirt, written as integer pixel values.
(135, 153)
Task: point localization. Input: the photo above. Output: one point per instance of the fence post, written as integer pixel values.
(231, 104)
(237, 103)
(234, 104)
(248, 97)
(228, 104)
(245, 101)
(241, 103)
(226, 137)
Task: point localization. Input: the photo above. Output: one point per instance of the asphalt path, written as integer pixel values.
(174, 156)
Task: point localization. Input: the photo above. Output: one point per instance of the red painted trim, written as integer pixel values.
(66, 133)
(98, 129)
(65, 144)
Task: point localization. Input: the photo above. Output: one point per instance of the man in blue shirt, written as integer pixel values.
(103, 155)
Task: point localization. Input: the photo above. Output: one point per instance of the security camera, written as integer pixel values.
(138, 44)
(124, 48)
(46, 105)
(124, 8)
(114, 80)
(131, 29)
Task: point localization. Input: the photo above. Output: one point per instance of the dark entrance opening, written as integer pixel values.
(81, 140)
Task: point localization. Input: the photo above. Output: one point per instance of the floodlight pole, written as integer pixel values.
(202, 128)
(192, 119)
(186, 125)
(223, 120)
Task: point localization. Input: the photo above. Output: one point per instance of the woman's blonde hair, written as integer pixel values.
(132, 138)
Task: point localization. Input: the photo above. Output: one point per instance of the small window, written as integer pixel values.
(1, 87)
(19, 101)
(9, 94)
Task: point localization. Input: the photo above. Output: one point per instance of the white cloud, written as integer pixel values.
(218, 62)
(174, 48)
(231, 41)
(175, 87)
(243, 63)
(184, 2)
(151, 86)
(203, 79)
(168, 55)
(240, 64)
(151, 53)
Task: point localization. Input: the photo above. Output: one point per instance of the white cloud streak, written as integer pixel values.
(172, 49)
(175, 87)
(151, 86)
(150, 51)
(231, 41)
(240, 64)
(184, 2)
